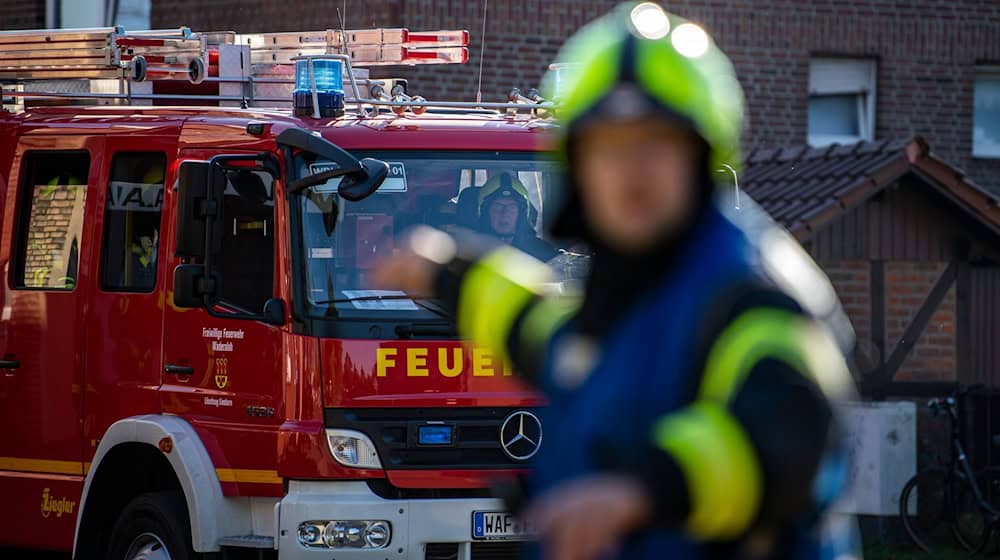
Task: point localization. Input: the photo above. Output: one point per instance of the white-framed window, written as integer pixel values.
(841, 100)
(986, 113)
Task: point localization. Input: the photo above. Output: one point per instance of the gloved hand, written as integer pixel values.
(587, 518)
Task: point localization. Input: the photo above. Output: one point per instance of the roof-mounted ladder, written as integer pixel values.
(110, 65)
(97, 53)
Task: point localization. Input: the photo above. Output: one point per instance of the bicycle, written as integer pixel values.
(951, 499)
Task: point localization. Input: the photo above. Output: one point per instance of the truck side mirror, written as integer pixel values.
(198, 200)
(360, 178)
(189, 285)
(274, 312)
(361, 185)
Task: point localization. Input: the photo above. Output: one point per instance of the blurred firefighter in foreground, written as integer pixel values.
(692, 387)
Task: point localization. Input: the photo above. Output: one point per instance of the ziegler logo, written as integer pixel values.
(221, 372)
(58, 506)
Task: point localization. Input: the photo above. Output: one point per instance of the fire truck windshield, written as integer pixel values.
(508, 195)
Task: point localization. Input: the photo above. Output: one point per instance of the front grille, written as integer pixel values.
(394, 430)
(498, 550)
(509, 550)
(384, 489)
(441, 551)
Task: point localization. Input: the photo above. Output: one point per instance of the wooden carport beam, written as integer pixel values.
(882, 376)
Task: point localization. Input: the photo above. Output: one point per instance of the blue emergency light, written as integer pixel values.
(329, 87)
(435, 435)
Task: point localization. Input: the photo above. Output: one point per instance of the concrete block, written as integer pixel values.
(882, 438)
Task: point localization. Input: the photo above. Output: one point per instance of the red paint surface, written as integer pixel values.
(32, 505)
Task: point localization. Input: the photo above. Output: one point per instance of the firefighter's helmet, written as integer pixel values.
(640, 61)
(504, 185)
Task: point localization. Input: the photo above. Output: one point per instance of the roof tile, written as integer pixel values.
(872, 147)
(761, 155)
(800, 184)
(845, 149)
(791, 153)
(818, 153)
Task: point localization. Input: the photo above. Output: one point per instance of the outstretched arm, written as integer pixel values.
(495, 292)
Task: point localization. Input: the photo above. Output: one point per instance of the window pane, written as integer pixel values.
(986, 117)
(834, 115)
(132, 222)
(55, 195)
(246, 261)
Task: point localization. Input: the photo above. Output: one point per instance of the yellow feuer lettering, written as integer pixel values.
(416, 362)
(482, 363)
(450, 362)
(457, 358)
(384, 359)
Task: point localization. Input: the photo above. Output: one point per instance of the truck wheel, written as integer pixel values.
(153, 526)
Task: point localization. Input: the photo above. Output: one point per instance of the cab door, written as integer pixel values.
(223, 374)
(47, 235)
(127, 297)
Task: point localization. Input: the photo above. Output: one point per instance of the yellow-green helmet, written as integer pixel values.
(671, 62)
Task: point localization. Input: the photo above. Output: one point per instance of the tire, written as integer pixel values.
(153, 526)
(970, 524)
(989, 486)
(924, 508)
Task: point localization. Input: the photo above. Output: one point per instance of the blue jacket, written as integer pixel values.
(714, 389)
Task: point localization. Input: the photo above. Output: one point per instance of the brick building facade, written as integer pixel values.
(22, 14)
(926, 52)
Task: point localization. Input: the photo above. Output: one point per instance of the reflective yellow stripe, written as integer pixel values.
(41, 465)
(719, 466)
(494, 292)
(544, 319)
(764, 333)
(718, 460)
(248, 476)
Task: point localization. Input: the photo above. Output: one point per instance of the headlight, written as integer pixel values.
(365, 534)
(353, 449)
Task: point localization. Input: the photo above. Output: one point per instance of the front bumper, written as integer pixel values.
(415, 523)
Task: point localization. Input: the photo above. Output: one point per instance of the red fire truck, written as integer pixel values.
(193, 360)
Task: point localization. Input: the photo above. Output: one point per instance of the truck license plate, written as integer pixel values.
(497, 525)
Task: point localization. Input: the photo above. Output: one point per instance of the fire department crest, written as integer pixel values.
(221, 372)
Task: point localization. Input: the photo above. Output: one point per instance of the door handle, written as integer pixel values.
(9, 364)
(178, 370)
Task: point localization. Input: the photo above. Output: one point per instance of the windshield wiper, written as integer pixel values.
(421, 302)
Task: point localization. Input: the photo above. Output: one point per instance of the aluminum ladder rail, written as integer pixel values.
(101, 53)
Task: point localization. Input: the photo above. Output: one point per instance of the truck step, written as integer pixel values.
(248, 541)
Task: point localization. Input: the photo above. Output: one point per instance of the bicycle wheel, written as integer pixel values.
(970, 523)
(988, 480)
(989, 485)
(924, 508)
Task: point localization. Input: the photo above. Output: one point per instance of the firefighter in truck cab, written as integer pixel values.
(693, 385)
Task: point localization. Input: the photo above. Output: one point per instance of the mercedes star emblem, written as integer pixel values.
(521, 435)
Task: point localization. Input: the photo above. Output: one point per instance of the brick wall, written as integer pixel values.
(907, 285)
(926, 51)
(851, 281)
(248, 16)
(56, 225)
(22, 14)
